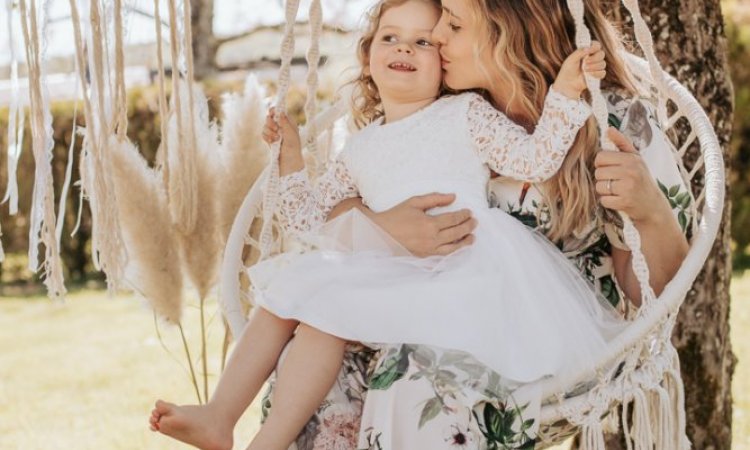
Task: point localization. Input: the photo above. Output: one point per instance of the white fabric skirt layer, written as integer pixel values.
(511, 299)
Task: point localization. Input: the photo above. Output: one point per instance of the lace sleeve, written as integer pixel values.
(304, 207)
(509, 150)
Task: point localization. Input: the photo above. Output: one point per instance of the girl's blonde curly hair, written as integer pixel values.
(366, 102)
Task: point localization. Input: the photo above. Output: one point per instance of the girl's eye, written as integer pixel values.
(389, 38)
(453, 27)
(424, 43)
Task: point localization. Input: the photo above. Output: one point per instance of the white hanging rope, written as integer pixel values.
(313, 61)
(271, 192)
(183, 196)
(121, 102)
(631, 235)
(42, 229)
(68, 171)
(108, 250)
(15, 116)
(163, 106)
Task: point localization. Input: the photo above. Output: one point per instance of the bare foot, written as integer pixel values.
(197, 425)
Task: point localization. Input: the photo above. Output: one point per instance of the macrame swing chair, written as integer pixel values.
(642, 368)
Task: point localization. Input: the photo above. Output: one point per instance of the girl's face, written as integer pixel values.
(404, 63)
(457, 33)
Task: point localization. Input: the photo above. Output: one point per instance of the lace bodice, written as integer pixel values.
(449, 146)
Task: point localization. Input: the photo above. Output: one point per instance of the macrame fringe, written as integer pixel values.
(108, 249)
(182, 186)
(16, 117)
(42, 227)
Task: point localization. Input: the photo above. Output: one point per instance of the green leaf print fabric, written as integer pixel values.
(405, 397)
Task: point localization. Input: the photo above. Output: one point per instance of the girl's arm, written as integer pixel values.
(303, 207)
(509, 150)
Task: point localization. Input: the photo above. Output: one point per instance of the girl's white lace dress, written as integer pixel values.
(511, 299)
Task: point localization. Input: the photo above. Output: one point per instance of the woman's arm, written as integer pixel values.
(420, 233)
(633, 191)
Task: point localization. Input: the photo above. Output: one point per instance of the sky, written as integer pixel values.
(230, 17)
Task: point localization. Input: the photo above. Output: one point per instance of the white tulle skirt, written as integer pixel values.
(511, 299)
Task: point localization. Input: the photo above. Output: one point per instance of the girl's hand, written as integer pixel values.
(290, 154)
(625, 184)
(286, 129)
(571, 81)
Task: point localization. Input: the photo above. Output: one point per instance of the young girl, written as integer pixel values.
(414, 143)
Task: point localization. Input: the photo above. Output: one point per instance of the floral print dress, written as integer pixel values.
(419, 397)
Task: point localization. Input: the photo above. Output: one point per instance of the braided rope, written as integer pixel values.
(121, 105)
(14, 111)
(43, 220)
(183, 198)
(108, 249)
(313, 61)
(271, 192)
(15, 118)
(163, 108)
(631, 235)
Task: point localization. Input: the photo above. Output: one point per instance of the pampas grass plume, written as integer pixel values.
(244, 155)
(154, 264)
(202, 247)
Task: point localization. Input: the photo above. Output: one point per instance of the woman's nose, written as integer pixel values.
(438, 33)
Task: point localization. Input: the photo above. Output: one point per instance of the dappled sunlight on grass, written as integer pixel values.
(84, 375)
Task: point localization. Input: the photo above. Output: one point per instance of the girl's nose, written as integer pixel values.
(403, 48)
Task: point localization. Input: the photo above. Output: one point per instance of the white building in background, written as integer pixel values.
(256, 51)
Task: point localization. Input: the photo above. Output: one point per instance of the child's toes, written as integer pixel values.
(163, 408)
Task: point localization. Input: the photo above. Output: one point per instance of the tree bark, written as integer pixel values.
(204, 41)
(691, 45)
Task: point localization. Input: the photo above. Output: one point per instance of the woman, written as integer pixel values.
(422, 397)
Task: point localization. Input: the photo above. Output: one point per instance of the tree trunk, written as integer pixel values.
(690, 43)
(204, 41)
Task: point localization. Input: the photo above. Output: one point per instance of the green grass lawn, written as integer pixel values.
(84, 375)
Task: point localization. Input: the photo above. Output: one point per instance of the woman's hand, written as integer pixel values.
(290, 154)
(571, 80)
(625, 184)
(420, 233)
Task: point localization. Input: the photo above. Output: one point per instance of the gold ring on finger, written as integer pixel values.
(609, 186)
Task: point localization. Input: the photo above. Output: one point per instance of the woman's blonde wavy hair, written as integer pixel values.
(366, 102)
(529, 39)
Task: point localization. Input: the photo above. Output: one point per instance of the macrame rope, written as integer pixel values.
(631, 235)
(42, 229)
(163, 108)
(183, 198)
(68, 171)
(313, 61)
(121, 102)
(108, 249)
(271, 192)
(15, 118)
